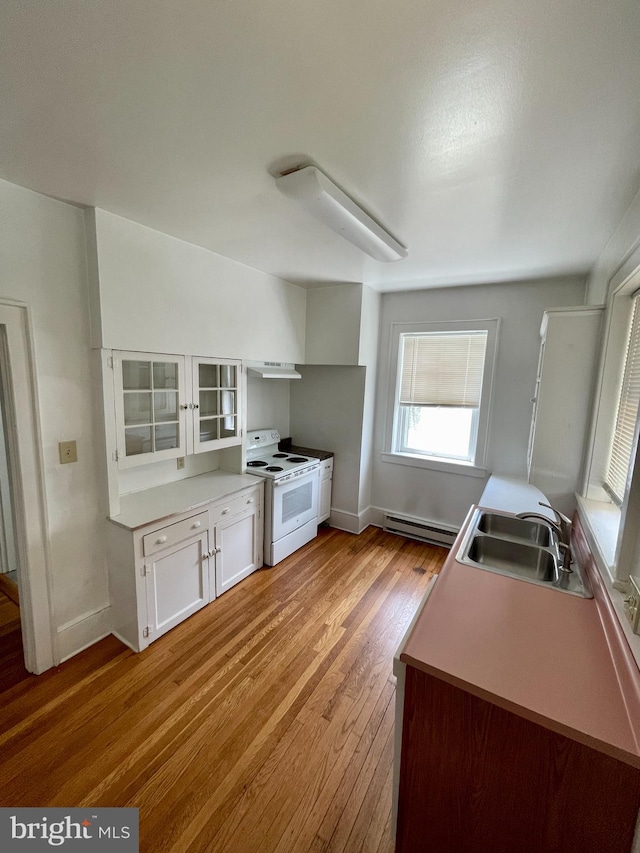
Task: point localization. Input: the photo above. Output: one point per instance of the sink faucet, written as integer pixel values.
(563, 521)
(561, 524)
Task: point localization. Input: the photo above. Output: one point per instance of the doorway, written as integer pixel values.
(23, 537)
(8, 554)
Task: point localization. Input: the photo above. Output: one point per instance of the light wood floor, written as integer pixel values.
(263, 723)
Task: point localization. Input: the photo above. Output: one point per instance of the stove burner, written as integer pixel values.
(274, 468)
(256, 463)
(279, 455)
(297, 459)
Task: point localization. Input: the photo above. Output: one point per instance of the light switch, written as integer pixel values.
(68, 452)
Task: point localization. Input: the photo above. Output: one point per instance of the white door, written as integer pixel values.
(177, 584)
(237, 549)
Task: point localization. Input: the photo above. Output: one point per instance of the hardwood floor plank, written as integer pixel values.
(263, 724)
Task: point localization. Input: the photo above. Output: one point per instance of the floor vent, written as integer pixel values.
(414, 529)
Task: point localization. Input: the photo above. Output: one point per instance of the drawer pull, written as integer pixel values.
(161, 540)
(196, 524)
(225, 511)
(250, 501)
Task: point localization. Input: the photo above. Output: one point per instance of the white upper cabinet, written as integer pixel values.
(150, 405)
(561, 400)
(168, 406)
(216, 403)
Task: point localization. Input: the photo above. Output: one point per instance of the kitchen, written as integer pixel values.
(99, 279)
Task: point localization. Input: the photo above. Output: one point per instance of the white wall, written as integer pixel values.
(42, 247)
(333, 324)
(623, 242)
(368, 356)
(332, 407)
(160, 294)
(268, 404)
(442, 496)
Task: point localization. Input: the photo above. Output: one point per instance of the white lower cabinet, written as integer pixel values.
(177, 584)
(161, 574)
(238, 549)
(326, 482)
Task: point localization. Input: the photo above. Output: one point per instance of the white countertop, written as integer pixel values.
(141, 508)
(511, 494)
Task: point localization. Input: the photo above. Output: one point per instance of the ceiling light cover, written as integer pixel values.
(328, 203)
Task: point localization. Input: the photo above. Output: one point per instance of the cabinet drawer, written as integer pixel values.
(166, 536)
(326, 469)
(234, 505)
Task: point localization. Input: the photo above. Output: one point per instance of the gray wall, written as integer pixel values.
(327, 406)
(443, 496)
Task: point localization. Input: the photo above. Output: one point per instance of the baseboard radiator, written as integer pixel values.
(415, 529)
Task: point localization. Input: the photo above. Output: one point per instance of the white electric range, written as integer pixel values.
(291, 494)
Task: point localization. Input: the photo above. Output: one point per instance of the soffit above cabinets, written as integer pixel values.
(497, 140)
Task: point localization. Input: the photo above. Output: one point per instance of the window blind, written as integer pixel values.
(442, 368)
(624, 431)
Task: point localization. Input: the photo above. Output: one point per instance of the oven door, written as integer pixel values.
(295, 502)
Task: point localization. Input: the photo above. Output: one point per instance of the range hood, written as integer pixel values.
(272, 369)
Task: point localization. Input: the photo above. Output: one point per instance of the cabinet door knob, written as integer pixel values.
(161, 540)
(196, 524)
(184, 406)
(250, 501)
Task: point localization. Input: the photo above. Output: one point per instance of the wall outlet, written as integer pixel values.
(180, 463)
(68, 452)
(632, 604)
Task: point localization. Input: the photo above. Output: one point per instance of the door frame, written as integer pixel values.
(29, 498)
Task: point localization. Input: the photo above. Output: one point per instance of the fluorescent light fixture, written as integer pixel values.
(328, 203)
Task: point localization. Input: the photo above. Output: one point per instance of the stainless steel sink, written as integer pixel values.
(517, 529)
(526, 550)
(513, 558)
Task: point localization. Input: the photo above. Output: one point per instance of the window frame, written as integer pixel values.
(615, 481)
(476, 466)
(616, 543)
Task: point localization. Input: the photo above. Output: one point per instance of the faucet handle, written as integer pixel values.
(567, 557)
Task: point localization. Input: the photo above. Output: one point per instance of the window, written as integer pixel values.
(442, 390)
(626, 415)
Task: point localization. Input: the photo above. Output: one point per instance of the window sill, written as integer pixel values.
(452, 467)
(603, 521)
(600, 522)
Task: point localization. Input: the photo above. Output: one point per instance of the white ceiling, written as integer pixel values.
(497, 139)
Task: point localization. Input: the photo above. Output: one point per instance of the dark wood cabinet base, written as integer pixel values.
(479, 779)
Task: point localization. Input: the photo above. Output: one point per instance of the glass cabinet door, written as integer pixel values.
(150, 407)
(216, 394)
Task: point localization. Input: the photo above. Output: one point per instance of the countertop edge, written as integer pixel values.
(172, 504)
(524, 712)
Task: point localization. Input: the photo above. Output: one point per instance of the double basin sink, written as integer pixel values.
(520, 548)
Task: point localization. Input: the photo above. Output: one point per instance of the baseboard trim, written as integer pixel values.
(76, 636)
(351, 522)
